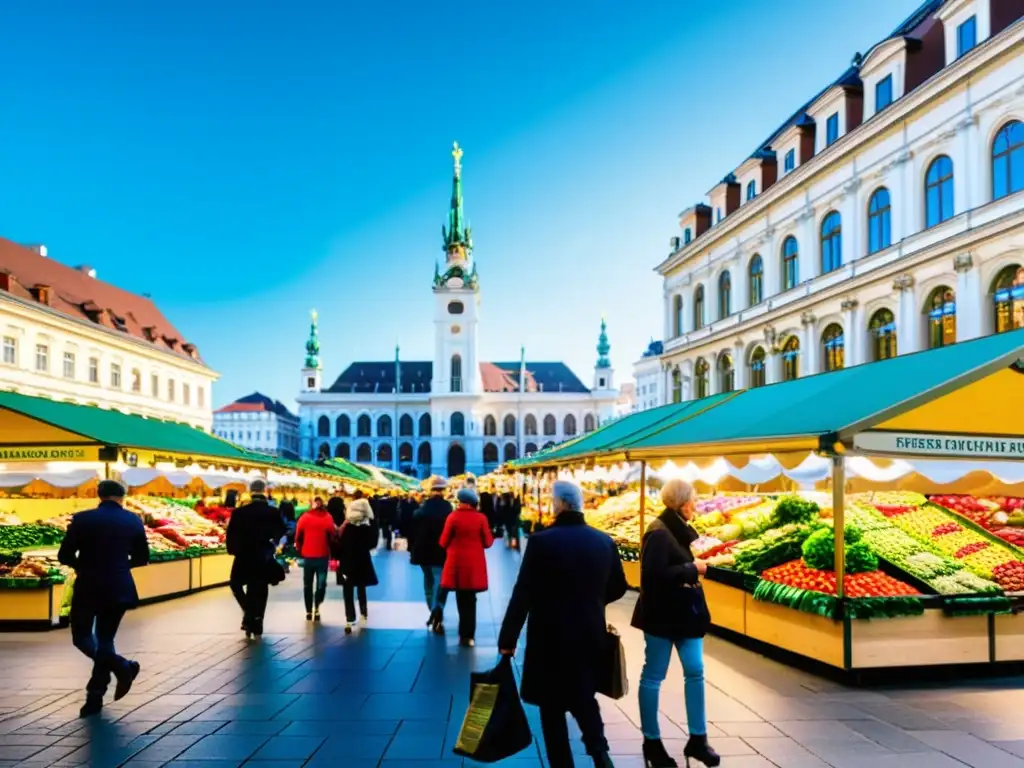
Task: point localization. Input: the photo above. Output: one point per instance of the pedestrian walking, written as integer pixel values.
(673, 615)
(465, 537)
(313, 536)
(487, 507)
(252, 536)
(388, 507)
(102, 545)
(425, 548)
(335, 508)
(569, 573)
(513, 523)
(356, 540)
(406, 510)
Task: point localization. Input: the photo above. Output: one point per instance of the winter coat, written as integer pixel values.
(465, 537)
(352, 549)
(252, 536)
(313, 534)
(671, 603)
(487, 508)
(569, 573)
(336, 509)
(425, 537)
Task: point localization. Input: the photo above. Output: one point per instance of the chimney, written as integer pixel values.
(85, 269)
(37, 248)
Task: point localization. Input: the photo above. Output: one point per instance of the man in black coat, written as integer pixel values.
(102, 545)
(570, 572)
(425, 548)
(252, 536)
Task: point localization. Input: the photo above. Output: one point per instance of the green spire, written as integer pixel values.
(603, 347)
(458, 240)
(313, 343)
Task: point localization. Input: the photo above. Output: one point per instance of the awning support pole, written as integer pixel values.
(106, 470)
(643, 496)
(839, 520)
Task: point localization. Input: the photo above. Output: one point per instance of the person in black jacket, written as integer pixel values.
(406, 509)
(673, 615)
(358, 537)
(102, 545)
(252, 536)
(570, 572)
(487, 507)
(335, 507)
(425, 549)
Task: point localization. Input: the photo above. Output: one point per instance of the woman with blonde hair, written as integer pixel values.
(673, 615)
(356, 539)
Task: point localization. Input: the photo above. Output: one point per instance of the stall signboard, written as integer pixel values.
(927, 444)
(12, 453)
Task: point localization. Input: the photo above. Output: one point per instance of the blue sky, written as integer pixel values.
(243, 162)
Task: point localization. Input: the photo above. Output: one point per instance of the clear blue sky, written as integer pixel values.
(243, 162)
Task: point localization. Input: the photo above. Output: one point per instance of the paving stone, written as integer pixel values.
(237, 747)
(289, 748)
(969, 749)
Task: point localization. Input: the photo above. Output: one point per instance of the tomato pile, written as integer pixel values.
(970, 549)
(945, 529)
(871, 584)
(1010, 576)
(894, 510)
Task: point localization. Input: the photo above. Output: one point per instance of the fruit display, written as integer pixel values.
(1001, 515)
(29, 536)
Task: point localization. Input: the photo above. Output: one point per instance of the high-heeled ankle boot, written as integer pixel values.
(655, 755)
(603, 761)
(699, 749)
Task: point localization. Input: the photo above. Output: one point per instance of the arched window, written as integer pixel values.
(941, 311)
(757, 368)
(550, 425)
(424, 454)
(1008, 160)
(831, 242)
(724, 295)
(530, 424)
(756, 280)
(700, 374)
(325, 451)
(490, 426)
(589, 423)
(323, 427)
(342, 451)
(698, 308)
(938, 191)
(508, 427)
(879, 221)
(677, 386)
(425, 425)
(456, 373)
(726, 373)
(405, 453)
(835, 353)
(570, 425)
(510, 451)
(751, 190)
(490, 453)
(405, 426)
(790, 263)
(458, 424)
(363, 426)
(343, 426)
(384, 454)
(384, 426)
(791, 359)
(1008, 296)
(364, 452)
(530, 448)
(677, 315)
(883, 333)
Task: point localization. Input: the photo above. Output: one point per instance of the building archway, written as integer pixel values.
(490, 453)
(424, 455)
(456, 460)
(342, 451)
(384, 455)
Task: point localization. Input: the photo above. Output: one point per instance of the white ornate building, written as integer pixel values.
(886, 216)
(454, 413)
(67, 335)
(260, 424)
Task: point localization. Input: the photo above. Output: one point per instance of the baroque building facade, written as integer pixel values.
(455, 413)
(885, 217)
(260, 424)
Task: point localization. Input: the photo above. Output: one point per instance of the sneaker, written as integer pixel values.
(309, 617)
(93, 706)
(316, 615)
(348, 628)
(125, 680)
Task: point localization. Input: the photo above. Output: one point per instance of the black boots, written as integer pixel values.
(93, 706)
(603, 761)
(699, 749)
(655, 755)
(125, 679)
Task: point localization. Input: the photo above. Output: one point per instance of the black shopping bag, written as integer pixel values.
(495, 726)
(612, 680)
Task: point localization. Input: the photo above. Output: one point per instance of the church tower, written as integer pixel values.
(604, 375)
(311, 371)
(456, 301)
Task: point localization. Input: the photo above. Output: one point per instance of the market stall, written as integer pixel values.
(889, 536)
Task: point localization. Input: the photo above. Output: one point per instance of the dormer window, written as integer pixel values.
(883, 93)
(718, 215)
(687, 235)
(790, 162)
(751, 190)
(966, 36)
(832, 129)
(969, 23)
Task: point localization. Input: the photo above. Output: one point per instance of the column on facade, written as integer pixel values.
(807, 234)
(970, 298)
(809, 345)
(901, 198)
(710, 298)
(972, 155)
(908, 321)
(669, 299)
(852, 333)
(773, 366)
(854, 220)
(740, 271)
(739, 365)
(714, 382)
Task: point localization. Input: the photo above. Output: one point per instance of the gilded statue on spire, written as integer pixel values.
(457, 154)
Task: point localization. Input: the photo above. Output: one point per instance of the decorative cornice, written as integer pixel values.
(851, 187)
(963, 262)
(848, 305)
(903, 283)
(807, 212)
(904, 157)
(808, 318)
(738, 343)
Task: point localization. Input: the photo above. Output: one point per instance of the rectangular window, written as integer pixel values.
(115, 376)
(69, 365)
(170, 390)
(832, 130)
(687, 235)
(10, 350)
(718, 215)
(94, 370)
(154, 385)
(883, 93)
(186, 394)
(790, 161)
(136, 380)
(42, 358)
(966, 36)
(201, 397)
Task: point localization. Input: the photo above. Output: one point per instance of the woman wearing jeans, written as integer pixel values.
(673, 615)
(313, 534)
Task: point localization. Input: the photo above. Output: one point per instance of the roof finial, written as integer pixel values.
(313, 342)
(457, 154)
(603, 347)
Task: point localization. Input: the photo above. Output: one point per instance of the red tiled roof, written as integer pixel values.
(242, 408)
(75, 294)
(498, 379)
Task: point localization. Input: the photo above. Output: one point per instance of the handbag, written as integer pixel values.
(612, 680)
(495, 726)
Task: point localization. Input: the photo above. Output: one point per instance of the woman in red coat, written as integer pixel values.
(467, 533)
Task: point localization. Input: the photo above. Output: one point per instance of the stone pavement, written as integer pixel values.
(392, 695)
